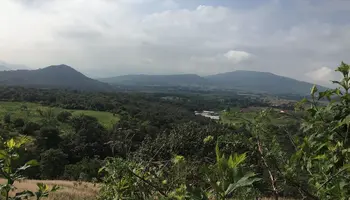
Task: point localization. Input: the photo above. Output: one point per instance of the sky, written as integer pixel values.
(302, 39)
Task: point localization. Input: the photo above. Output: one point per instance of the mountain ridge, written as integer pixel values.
(53, 76)
(251, 81)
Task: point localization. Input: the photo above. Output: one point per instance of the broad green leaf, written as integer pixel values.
(3, 154)
(11, 143)
(55, 188)
(245, 181)
(32, 163)
(313, 90)
(236, 160)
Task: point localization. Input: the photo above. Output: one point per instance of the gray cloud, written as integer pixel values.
(305, 39)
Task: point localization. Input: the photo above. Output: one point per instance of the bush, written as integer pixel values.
(7, 118)
(52, 163)
(18, 123)
(64, 116)
(30, 127)
(85, 170)
(48, 138)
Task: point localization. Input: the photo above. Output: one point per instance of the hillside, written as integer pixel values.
(158, 80)
(264, 82)
(249, 81)
(55, 76)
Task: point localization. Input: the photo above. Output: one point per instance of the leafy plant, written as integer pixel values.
(8, 154)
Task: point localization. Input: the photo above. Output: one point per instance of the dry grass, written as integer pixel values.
(70, 190)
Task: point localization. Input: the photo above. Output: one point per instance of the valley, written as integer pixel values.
(132, 144)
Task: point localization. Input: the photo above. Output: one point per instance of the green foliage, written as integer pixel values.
(161, 150)
(322, 155)
(64, 116)
(84, 170)
(223, 180)
(48, 137)
(30, 127)
(7, 118)
(18, 123)
(52, 163)
(8, 155)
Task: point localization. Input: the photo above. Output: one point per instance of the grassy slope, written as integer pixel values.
(30, 114)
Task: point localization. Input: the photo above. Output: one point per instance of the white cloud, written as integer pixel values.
(323, 75)
(237, 56)
(157, 36)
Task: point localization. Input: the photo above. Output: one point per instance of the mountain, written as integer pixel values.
(262, 82)
(248, 81)
(4, 66)
(55, 76)
(158, 80)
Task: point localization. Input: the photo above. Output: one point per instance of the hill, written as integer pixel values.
(262, 82)
(55, 76)
(4, 66)
(248, 81)
(158, 80)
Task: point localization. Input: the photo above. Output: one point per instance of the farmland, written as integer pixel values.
(31, 112)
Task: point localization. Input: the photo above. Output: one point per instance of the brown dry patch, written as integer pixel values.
(70, 190)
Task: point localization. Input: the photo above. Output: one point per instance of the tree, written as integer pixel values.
(8, 155)
(7, 118)
(30, 127)
(18, 123)
(52, 163)
(48, 138)
(64, 116)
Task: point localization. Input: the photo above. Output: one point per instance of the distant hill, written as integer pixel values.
(4, 66)
(158, 80)
(263, 82)
(55, 76)
(249, 81)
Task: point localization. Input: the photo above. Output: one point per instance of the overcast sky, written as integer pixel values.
(302, 39)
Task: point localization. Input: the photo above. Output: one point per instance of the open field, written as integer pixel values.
(29, 112)
(237, 115)
(69, 190)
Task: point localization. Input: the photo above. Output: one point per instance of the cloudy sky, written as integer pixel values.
(303, 39)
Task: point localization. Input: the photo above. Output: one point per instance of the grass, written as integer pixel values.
(249, 113)
(69, 190)
(28, 112)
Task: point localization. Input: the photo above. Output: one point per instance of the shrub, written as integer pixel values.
(18, 123)
(64, 116)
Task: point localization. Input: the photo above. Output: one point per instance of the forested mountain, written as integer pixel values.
(160, 80)
(250, 81)
(265, 82)
(63, 76)
(55, 76)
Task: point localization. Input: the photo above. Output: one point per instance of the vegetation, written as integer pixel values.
(55, 76)
(158, 148)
